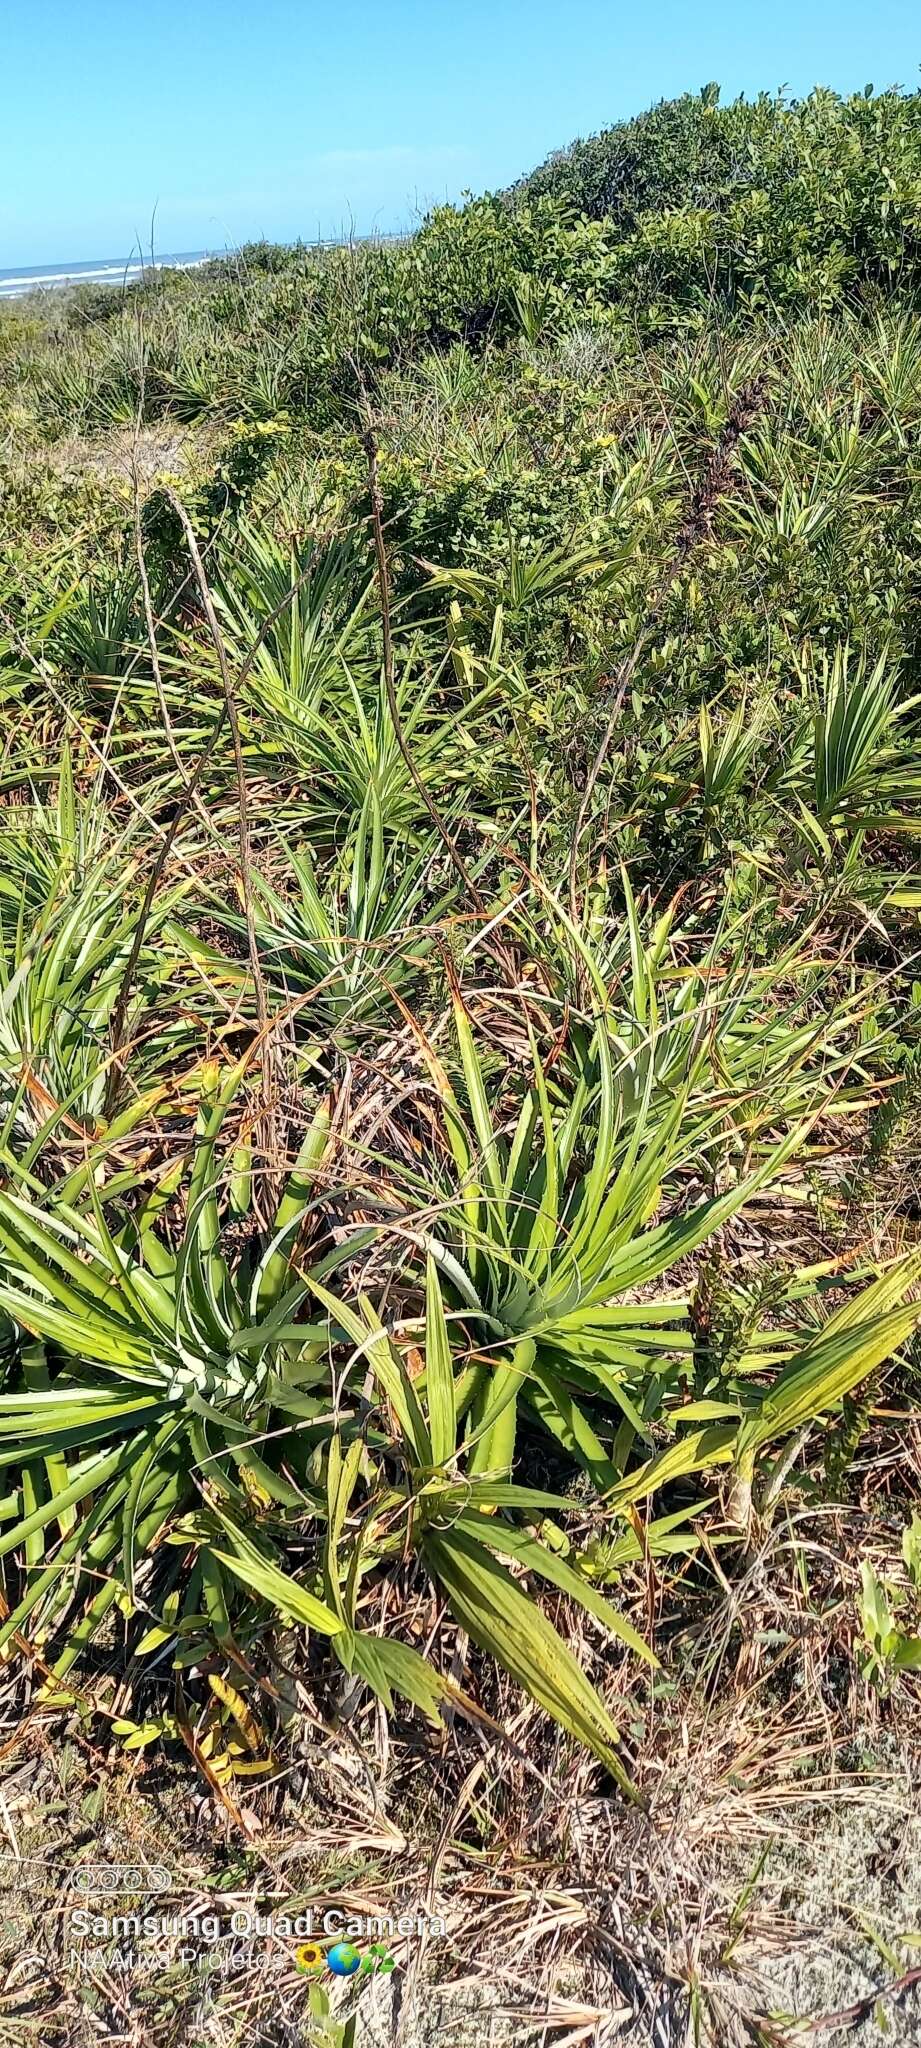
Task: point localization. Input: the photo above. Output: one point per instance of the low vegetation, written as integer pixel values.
(460, 1009)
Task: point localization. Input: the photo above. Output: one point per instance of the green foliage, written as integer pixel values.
(441, 1104)
(772, 199)
(340, 947)
(885, 1608)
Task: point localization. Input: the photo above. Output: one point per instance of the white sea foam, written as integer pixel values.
(17, 282)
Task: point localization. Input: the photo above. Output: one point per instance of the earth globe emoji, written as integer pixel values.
(344, 1959)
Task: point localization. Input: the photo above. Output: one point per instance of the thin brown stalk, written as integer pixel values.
(383, 581)
(245, 843)
(120, 1008)
(190, 789)
(627, 671)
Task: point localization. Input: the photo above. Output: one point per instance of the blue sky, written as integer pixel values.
(282, 117)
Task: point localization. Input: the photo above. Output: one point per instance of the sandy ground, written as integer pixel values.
(691, 1933)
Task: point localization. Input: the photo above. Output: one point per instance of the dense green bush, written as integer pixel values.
(771, 199)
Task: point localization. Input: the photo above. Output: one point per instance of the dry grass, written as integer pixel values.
(774, 1879)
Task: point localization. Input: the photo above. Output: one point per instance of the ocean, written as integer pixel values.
(48, 277)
